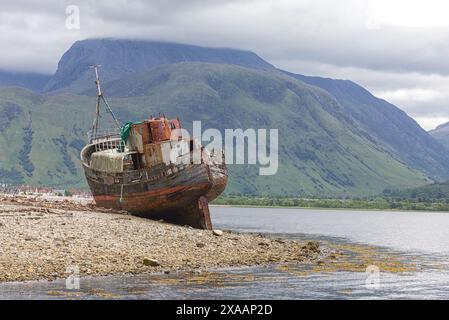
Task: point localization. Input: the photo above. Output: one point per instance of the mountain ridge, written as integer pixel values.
(29, 80)
(122, 57)
(441, 134)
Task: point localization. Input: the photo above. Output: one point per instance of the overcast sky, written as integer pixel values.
(398, 49)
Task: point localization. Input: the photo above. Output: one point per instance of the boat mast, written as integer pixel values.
(100, 97)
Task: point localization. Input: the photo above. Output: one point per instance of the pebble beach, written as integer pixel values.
(46, 239)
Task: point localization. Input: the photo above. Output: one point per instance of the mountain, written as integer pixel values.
(32, 81)
(323, 152)
(441, 134)
(123, 57)
(388, 125)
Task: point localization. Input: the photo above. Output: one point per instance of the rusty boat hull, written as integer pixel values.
(176, 193)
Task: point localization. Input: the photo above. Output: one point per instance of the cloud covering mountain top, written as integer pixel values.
(399, 54)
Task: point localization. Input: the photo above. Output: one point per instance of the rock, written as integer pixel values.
(263, 244)
(166, 271)
(312, 246)
(151, 262)
(217, 233)
(200, 245)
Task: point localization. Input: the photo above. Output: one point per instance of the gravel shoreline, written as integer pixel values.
(43, 239)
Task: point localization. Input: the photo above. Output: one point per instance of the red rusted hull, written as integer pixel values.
(180, 197)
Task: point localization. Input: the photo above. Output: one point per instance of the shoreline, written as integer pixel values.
(89, 200)
(322, 208)
(46, 240)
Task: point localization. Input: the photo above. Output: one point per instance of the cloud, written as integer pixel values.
(418, 95)
(409, 13)
(396, 49)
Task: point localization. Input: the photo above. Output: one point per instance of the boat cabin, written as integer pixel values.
(154, 130)
(153, 140)
(147, 144)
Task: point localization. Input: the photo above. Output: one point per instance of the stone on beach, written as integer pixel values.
(217, 233)
(151, 262)
(312, 246)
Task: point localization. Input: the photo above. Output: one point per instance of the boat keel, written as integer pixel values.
(200, 215)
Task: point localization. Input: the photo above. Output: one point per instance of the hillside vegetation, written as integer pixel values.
(388, 126)
(435, 191)
(321, 150)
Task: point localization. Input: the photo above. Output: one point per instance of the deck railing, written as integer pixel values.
(106, 139)
(104, 134)
(109, 144)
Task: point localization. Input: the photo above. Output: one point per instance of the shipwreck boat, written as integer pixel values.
(149, 169)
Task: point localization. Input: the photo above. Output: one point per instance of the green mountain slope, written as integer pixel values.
(322, 151)
(388, 125)
(42, 139)
(384, 123)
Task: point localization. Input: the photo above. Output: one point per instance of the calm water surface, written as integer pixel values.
(419, 239)
(408, 231)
